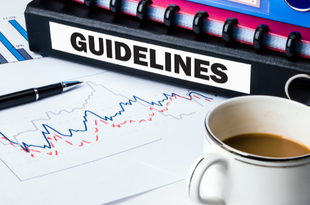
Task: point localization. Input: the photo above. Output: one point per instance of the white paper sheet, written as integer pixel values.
(104, 134)
(113, 137)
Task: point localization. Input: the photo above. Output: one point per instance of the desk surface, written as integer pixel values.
(171, 194)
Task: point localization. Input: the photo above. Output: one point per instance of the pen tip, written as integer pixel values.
(70, 84)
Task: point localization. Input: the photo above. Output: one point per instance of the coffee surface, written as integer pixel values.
(267, 145)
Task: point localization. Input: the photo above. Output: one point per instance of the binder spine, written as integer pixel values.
(96, 37)
(211, 27)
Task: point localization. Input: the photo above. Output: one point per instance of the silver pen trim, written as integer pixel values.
(67, 85)
(37, 93)
(64, 87)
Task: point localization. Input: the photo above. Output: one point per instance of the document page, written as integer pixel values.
(112, 137)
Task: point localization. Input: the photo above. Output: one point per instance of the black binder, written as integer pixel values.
(157, 51)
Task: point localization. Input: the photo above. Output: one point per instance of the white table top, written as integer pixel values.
(173, 194)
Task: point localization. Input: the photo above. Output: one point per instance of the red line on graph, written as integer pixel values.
(23, 149)
(97, 138)
(123, 123)
(165, 109)
(58, 136)
(131, 121)
(35, 150)
(49, 153)
(69, 142)
(55, 138)
(52, 144)
(152, 114)
(197, 97)
(86, 141)
(103, 121)
(96, 122)
(96, 130)
(150, 119)
(49, 138)
(4, 138)
(32, 155)
(207, 100)
(142, 121)
(56, 153)
(81, 144)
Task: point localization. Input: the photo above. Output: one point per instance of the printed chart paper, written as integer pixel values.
(99, 122)
(113, 137)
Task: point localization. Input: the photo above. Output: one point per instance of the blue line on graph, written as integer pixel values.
(11, 48)
(46, 127)
(19, 28)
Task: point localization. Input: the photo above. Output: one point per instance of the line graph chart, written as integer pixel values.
(115, 136)
(102, 124)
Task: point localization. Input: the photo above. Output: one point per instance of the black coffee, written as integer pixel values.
(267, 145)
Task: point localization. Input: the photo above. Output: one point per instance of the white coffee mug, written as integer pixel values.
(224, 175)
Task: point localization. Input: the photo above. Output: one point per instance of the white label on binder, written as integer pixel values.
(161, 60)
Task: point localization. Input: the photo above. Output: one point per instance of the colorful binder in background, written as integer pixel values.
(277, 18)
(172, 46)
(294, 12)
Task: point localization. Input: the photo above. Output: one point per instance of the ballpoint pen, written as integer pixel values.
(34, 94)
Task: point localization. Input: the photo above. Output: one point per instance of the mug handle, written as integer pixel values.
(288, 82)
(199, 167)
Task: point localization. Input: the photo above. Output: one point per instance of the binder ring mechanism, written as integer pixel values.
(115, 6)
(198, 22)
(169, 15)
(259, 36)
(228, 29)
(89, 3)
(142, 9)
(291, 44)
(301, 92)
